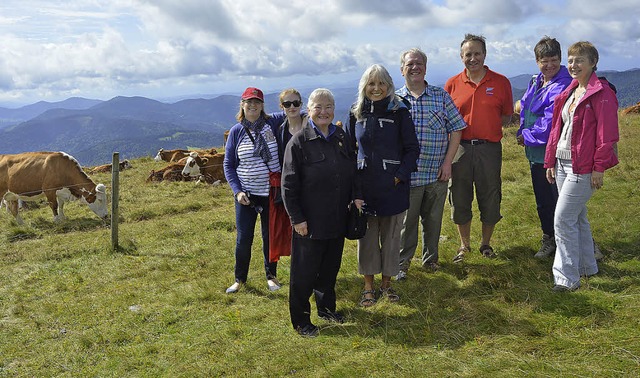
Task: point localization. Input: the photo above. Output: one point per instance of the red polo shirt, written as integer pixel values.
(482, 105)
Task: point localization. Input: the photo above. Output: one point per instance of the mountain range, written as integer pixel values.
(91, 130)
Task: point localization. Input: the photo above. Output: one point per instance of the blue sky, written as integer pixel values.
(52, 49)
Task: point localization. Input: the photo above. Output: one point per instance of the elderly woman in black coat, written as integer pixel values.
(317, 187)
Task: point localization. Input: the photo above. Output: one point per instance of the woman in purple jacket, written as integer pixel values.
(535, 125)
(581, 147)
(251, 152)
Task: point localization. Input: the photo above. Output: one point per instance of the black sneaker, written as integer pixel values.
(335, 317)
(307, 331)
(547, 249)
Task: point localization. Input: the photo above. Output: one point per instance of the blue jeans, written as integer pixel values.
(546, 197)
(574, 242)
(246, 217)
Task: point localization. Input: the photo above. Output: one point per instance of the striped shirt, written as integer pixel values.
(252, 171)
(435, 116)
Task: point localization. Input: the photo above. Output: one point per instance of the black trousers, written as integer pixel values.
(546, 197)
(314, 269)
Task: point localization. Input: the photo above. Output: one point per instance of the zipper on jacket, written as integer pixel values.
(389, 161)
(381, 120)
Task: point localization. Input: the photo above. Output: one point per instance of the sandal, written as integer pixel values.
(487, 251)
(460, 256)
(368, 302)
(390, 294)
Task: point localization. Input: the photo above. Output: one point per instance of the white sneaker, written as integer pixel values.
(273, 284)
(234, 288)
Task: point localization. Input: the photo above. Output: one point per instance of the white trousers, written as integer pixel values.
(574, 242)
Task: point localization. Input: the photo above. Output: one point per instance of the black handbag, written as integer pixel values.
(356, 223)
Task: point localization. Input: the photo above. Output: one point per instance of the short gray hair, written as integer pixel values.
(414, 50)
(319, 93)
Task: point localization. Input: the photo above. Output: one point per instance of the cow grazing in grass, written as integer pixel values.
(177, 154)
(208, 166)
(107, 167)
(55, 176)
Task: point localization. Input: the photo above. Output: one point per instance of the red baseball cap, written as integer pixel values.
(252, 92)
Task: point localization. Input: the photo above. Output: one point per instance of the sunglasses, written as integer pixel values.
(287, 104)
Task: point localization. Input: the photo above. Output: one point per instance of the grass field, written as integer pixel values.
(72, 307)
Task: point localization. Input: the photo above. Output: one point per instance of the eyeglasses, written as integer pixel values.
(287, 104)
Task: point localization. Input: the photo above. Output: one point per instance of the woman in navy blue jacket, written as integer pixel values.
(387, 146)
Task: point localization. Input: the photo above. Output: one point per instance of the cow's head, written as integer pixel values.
(97, 201)
(159, 155)
(193, 165)
(125, 164)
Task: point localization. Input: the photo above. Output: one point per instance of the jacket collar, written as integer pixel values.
(562, 74)
(594, 85)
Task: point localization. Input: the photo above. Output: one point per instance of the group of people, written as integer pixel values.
(396, 158)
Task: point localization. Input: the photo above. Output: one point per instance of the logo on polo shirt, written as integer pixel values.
(489, 91)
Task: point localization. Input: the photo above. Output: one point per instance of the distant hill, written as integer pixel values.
(10, 117)
(627, 84)
(91, 130)
(134, 126)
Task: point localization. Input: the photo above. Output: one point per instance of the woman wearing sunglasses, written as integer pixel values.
(279, 225)
(291, 104)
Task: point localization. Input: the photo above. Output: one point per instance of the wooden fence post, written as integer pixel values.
(115, 195)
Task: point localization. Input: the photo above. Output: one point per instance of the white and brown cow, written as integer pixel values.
(208, 166)
(125, 164)
(172, 172)
(56, 176)
(171, 156)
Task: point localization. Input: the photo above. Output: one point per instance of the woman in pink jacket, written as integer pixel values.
(581, 147)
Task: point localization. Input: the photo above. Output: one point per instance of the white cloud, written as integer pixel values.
(101, 48)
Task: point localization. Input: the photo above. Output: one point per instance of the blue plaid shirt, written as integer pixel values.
(435, 117)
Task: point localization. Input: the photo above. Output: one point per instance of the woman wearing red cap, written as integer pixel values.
(251, 153)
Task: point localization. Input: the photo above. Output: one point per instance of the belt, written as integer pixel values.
(474, 142)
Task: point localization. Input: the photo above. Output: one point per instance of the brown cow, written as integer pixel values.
(57, 176)
(177, 154)
(107, 167)
(209, 166)
(170, 155)
(172, 172)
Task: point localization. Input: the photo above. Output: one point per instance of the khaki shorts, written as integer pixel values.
(476, 166)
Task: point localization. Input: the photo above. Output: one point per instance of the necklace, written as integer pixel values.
(576, 98)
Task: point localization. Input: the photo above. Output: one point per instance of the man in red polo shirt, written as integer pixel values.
(484, 99)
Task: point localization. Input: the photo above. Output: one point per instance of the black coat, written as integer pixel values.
(318, 182)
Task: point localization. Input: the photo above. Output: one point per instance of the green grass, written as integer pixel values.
(72, 307)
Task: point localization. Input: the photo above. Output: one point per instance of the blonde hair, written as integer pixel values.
(374, 72)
